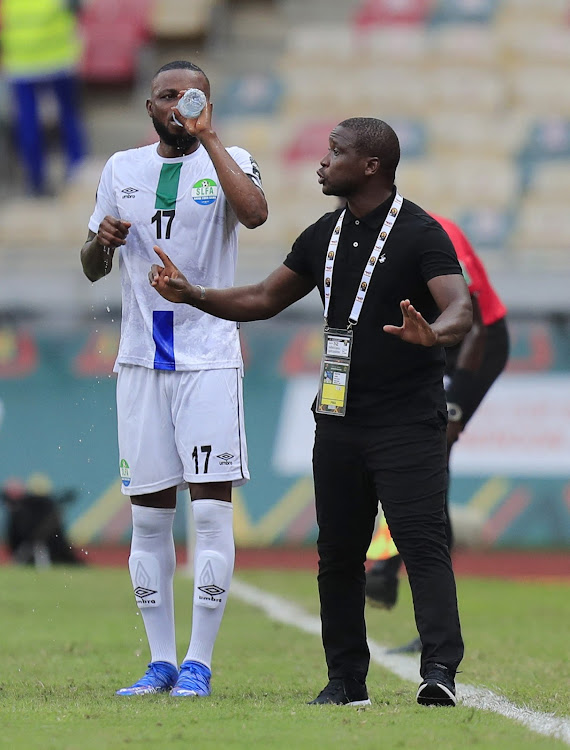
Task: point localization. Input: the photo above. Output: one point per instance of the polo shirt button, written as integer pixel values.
(355, 244)
(357, 222)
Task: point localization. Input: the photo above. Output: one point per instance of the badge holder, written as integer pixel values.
(335, 368)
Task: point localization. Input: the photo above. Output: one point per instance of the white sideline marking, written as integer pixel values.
(405, 667)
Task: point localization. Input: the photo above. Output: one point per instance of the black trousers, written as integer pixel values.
(405, 468)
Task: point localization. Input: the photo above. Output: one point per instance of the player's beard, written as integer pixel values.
(183, 141)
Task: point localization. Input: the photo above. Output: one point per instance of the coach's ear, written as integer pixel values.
(372, 166)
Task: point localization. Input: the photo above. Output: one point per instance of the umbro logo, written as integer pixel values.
(143, 592)
(211, 589)
(225, 459)
(129, 192)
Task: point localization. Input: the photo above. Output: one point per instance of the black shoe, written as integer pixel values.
(343, 692)
(437, 687)
(413, 647)
(382, 582)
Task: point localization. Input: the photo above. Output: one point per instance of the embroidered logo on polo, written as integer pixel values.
(204, 192)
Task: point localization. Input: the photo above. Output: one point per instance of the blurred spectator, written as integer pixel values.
(40, 53)
(34, 528)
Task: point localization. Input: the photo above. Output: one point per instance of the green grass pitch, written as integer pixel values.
(70, 637)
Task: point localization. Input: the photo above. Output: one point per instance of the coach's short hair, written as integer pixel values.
(376, 138)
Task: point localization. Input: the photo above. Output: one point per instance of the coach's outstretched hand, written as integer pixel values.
(414, 329)
(169, 282)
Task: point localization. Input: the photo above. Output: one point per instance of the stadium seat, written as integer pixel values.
(412, 135)
(315, 90)
(548, 178)
(113, 34)
(457, 133)
(250, 95)
(536, 89)
(181, 19)
(421, 181)
(536, 42)
(391, 12)
(466, 89)
(258, 134)
(319, 42)
(135, 12)
(511, 12)
(394, 45)
(487, 228)
(548, 138)
(459, 11)
(465, 44)
(454, 185)
(542, 227)
(310, 143)
(481, 180)
(396, 91)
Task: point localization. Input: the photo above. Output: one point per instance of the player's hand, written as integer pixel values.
(414, 329)
(197, 126)
(113, 232)
(168, 281)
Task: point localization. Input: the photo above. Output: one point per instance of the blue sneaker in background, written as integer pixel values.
(193, 680)
(158, 678)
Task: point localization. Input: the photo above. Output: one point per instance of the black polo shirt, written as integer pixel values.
(390, 381)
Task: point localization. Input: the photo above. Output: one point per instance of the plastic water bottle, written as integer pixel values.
(192, 103)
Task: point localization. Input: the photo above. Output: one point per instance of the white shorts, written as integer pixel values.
(177, 428)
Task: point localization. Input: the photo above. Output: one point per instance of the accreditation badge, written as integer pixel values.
(335, 367)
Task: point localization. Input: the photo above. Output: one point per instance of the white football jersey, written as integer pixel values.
(179, 205)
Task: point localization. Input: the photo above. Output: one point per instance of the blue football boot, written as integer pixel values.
(158, 678)
(193, 680)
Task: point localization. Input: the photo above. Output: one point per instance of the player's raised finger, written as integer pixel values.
(163, 256)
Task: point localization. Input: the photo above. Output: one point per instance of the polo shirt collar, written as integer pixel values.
(376, 217)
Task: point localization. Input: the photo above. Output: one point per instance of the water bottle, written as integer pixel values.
(192, 103)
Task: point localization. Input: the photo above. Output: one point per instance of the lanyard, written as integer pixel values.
(375, 257)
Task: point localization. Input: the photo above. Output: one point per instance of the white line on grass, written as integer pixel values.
(405, 667)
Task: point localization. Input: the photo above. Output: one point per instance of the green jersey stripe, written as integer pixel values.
(167, 188)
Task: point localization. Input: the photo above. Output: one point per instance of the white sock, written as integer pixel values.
(213, 568)
(152, 563)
